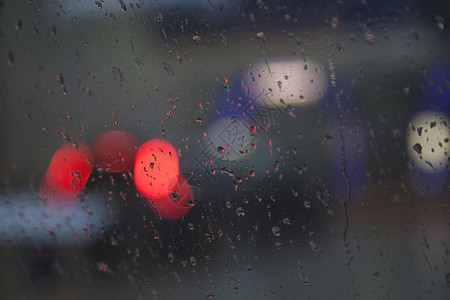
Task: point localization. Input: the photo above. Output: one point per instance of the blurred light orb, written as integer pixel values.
(66, 175)
(177, 204)
(232, 138)
(295, 82)
(114, 151)
(84, 223)
(428, 137)
(156, 169)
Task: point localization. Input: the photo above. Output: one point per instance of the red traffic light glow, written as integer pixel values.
(66, 175)
(177, 204)
(156, 169)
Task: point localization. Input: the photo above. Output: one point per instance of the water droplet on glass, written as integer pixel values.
(170, 257)
(175, 196)
(191, 226)
(314, 246)
(240, 211)
(193, 261)
(418, 148)
(260, 35)
(122, 5)
(286, 221)
(156, 234)
(276, 230)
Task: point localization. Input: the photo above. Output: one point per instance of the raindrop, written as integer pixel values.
(278, 245)
(18, 24)
(276, 230)
(113, 240)
(124, 8)
(196, 38)
(314, 246)
(307, 204)
(175, 196)
(193, 261)
(418, 148)
(191, 226)
(286, 221)
(419, 131)
(78, 176)
(240, 211)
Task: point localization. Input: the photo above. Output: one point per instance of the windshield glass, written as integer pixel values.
(226, 149)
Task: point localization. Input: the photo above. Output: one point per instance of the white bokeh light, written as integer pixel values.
(428, 141)
(295, 82)
(232, 138)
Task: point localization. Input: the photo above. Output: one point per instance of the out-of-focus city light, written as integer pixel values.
(427, 141)
(24, 221)
(232, 138)
(177, 204)
(156, 169)
(66, 175)
(292, 82)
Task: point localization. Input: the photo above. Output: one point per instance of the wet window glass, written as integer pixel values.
(225, 149)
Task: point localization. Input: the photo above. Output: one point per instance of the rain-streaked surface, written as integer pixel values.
(224, 149)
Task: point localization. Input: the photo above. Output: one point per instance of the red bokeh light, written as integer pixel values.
(66, 175)
(114, 151)
(177, 204)
(156, 169)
